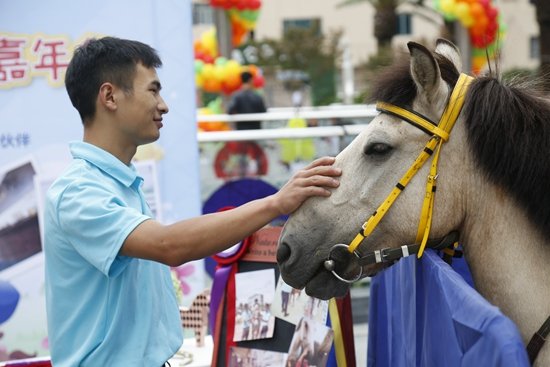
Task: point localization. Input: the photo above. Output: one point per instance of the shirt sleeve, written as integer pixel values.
(97, 223)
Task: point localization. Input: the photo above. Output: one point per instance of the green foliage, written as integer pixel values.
(307, 51)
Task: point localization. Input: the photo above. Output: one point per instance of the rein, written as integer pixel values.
(439, 134)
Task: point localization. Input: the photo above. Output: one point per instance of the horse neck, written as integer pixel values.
(509, 259)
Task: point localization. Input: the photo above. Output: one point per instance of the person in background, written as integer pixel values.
(246, 100)
(109, 295)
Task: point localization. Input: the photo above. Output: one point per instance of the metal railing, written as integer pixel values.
(281, 115)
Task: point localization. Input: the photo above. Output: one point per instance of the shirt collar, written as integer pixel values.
(105, 161)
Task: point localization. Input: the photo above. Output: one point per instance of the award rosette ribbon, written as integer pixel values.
(223, 291)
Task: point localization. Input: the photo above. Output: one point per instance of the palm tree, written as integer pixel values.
(385, 19)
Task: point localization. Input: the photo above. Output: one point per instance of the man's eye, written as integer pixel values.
(377, 149)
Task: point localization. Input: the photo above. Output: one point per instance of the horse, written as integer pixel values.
(493, 181)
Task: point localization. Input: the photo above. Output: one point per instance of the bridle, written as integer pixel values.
(439, 134)
(342, 257)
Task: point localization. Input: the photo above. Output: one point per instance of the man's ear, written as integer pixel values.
(107, 96)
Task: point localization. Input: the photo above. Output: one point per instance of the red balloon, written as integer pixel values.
(492, 13)
(485, 3)
(255, 4)
(241, 4)
(258, 81)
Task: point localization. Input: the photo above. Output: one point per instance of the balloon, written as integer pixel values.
(258, 81)
(477, 64)
(199, 81)
(233, 81)
(9, 298)
(220, 73)
(476, 11)
(211, 85)
(463, 14)
(199, 64)
(448, 6)
(208, 71)
(220, 61)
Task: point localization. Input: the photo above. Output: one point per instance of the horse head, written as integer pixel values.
(372, 164)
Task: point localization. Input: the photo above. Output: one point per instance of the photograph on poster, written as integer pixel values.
(147, 169)
(19, 229)
(246, 357)
(310, 344)
(292, 304)
(253, 300)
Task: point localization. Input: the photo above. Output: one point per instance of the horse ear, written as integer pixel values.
(424, 70)
(449, 50)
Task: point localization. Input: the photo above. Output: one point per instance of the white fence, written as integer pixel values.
(275, 120)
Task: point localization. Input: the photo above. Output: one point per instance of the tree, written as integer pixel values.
(543, 18)
(307, 56)
(385, 19)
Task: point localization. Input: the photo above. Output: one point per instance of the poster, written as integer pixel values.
(37, 121)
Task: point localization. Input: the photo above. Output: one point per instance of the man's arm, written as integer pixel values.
(209, 234)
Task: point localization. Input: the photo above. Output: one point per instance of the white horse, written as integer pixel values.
(493, 187)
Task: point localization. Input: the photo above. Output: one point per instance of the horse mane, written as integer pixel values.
(508, 126)
(509, 134)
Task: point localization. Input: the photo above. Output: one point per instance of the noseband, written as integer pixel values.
(439, 134)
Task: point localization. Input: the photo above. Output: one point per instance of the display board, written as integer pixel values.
(256, 318)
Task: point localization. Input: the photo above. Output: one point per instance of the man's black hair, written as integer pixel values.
(246, 76)
(107, 59)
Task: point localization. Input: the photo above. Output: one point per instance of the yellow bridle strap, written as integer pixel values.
(447, 121)
(339, 345)
(375, 218)
(415, 119)
(440, 135)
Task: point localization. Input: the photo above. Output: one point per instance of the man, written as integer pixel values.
(246, 100)
(109, 294)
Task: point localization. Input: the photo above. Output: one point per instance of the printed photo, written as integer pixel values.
(19, 228)
(151, 188)
(245, 357)
(310, 344)
(253, 300)
(292, 304)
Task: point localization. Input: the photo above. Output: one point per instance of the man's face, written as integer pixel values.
(141, 110)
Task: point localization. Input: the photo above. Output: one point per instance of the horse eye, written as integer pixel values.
(378, 149)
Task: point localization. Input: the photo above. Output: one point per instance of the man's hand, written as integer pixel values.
(314, 180)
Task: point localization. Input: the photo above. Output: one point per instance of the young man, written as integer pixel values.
(109, 294)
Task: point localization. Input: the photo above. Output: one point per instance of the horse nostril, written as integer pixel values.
(283, 253)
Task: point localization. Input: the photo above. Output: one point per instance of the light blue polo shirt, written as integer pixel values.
(103, 309)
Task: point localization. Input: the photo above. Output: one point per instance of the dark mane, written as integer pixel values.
(509, 135)
(508, 131)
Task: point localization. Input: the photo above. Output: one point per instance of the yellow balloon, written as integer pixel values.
(220, 72)
(199, 81)
(448, 6)
(208, 72)
(233, 67)
(463, 14)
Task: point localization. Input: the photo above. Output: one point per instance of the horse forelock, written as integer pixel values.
(395, 84)
(509, 135)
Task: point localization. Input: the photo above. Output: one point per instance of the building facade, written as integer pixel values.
(519, 47)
